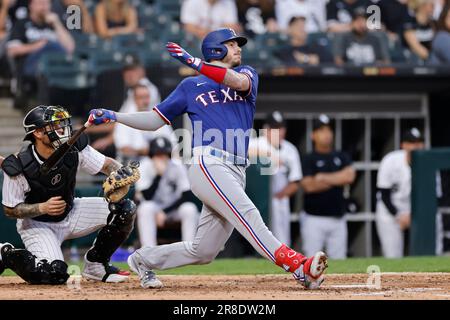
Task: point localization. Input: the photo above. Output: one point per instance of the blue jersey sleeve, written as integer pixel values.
(253, 77)
(174, 105)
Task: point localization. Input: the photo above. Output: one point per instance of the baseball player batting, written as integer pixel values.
(220, 103)
(47, 211)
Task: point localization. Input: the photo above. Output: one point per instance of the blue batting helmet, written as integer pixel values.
(213, 45)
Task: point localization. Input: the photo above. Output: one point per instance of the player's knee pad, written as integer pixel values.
(110, 237)
(23, 263)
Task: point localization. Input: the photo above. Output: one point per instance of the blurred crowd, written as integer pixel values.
(282, 32)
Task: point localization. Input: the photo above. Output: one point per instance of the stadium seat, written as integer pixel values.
(255, 55)
(87, 44)
(174, 32)
(66, 72)
(132, 40)
(102, 61)
(272, 41)
(169, 7)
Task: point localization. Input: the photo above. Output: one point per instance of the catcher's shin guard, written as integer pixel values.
(110, 237)
(23, 263)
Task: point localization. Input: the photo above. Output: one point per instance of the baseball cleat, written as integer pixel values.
(147, 277)
(310, 273)
(104, 272)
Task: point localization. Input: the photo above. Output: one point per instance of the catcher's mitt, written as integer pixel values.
(117, 184)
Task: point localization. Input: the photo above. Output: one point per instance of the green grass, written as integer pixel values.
(353, 265)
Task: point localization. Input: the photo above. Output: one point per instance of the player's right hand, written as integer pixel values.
(101, 116)
(54, 206)
(182, 55)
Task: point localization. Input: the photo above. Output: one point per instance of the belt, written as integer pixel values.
(221, 154)
(227, 157)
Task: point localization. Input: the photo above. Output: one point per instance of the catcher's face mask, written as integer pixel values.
(59, 126)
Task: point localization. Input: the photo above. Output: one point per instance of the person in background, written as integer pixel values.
(42, 32)
(60, 8)
(285, 181)
(133, 73)
(393, 14)
(440, 48)
(393, 211)
(325, 173)
(115, 17)
(313, 10)
(257, 16)
(299, 51)
(199, 17)
(132, 144)
(163, 193)
(340, 12)
(419, 28)
(359, 46)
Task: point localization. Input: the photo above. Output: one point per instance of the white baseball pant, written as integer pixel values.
(324, 233)
(389, 232)
(280, 220)
(187, 213)
(221, 188)
(44, 239)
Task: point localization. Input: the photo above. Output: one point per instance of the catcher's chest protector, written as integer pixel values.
(60, 181)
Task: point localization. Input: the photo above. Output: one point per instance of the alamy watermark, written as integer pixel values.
(73, 21)
(374, 277)
(241, 146)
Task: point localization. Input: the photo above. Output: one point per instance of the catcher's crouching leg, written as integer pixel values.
(120, 224)
(23, 263)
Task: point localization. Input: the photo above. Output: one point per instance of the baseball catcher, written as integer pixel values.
(47, 211)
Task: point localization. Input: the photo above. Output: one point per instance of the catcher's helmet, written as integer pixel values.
(213, 45)
(160, 145)
(56, 118)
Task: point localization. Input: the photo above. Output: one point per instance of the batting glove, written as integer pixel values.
(101, 116)
(182, 55)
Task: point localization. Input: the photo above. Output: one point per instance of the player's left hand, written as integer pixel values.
(101, 116)
(182, 55)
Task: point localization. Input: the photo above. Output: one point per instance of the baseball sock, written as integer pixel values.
(289, 259)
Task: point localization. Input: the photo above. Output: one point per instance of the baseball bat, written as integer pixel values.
(61, 151)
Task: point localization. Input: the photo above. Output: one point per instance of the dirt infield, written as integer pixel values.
(267, 287)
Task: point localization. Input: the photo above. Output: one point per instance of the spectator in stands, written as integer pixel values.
(163, 193)
(440, 49)
(393, 214)
(393, 14)
(419, 28)
(299, 51)
(115, 17)
(4, 6)
(42, 32)
(339, 13)
(199, 17)
(60, 8)
(325, 173)
(132, 144)
(313, 10)
(133, 73)
(359, 46)
(257, 16)
(18, 10)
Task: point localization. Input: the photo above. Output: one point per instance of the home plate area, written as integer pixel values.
(390, 286)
